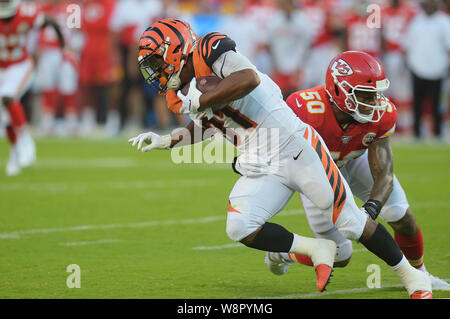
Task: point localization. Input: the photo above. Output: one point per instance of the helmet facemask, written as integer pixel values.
(155, 70)
(174, 81)
(353, 104)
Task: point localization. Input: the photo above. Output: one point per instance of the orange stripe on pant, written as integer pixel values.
(332, 172)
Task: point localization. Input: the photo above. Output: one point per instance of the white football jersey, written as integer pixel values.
(260, 123)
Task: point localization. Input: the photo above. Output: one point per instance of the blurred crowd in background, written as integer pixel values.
(292, 41)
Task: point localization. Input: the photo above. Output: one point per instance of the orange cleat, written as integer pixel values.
(323, 274)
(421, 294)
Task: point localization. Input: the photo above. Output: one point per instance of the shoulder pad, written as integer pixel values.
(213, 45)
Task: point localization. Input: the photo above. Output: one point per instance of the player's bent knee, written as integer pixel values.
(393, 213)
(341, 264)
(321, 197)
(238, 227)
(343, 253)
(325, 203)
(406, 225)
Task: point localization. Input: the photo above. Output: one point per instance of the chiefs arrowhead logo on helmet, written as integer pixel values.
(341, 68)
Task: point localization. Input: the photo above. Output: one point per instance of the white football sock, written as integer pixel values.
(321, 251)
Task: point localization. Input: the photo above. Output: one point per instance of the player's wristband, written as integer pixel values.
(373, 208)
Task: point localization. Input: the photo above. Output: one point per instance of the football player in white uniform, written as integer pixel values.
(255, 116)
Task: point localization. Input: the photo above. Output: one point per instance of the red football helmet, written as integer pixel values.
(170, 41)
(352, 72)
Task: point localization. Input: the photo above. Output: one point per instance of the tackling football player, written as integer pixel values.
(17, 20)
(171, 55)
(355, 120)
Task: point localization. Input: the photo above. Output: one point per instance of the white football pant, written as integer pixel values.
(257, 198)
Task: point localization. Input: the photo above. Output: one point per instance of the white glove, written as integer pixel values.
(191, 101)
(153, 140)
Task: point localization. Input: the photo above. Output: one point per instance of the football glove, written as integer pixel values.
(153, 140)
(191, 101)
(373, 208)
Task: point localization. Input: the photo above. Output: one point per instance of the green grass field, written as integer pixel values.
(140, 226)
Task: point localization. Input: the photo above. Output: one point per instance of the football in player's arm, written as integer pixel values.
(234, 86)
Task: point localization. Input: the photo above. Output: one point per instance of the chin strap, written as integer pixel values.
(357, 117)
(174, 82)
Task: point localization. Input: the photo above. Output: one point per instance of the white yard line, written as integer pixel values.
(93, 242)
(111, 162)
(233, 245)
(326, 294)
(19, 233)
(121, 162)
(84, 186)
(238, 245)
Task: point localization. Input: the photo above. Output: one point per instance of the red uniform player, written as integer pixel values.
(98, 70)
(395, 19)
(321, 20)
(355, 120)
(57, 71)
(313, 106)
(16, 68)
(359, 35)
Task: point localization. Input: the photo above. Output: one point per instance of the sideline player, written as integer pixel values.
(99, 73)
(396, 18)
(56, 71)
(358, 35)
(355, 122)
(170, 54)
(17, 20)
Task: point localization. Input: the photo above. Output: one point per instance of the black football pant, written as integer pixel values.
(422, 89)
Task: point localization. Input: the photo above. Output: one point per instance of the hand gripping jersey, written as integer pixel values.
(14, 34)
(250, 118)
(313, 107)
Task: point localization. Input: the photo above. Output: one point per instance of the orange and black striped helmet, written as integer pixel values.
(163, 50)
